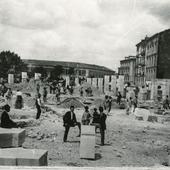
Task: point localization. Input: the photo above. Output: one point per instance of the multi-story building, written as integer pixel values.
(127, 67)
(140, 63)
(153, 58)
(152, 64)
(80, 69)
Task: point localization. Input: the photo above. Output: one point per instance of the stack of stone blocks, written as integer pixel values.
(13, 154)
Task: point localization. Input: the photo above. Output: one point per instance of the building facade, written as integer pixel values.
(152, 64)
(127, 67)
(155, 61)
(80, 69)
(140, 63)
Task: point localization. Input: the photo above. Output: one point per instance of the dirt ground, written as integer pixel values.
(129, 142)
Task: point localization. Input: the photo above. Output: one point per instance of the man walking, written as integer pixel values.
(69, 120)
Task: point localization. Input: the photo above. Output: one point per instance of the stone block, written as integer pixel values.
(87, 142)
(87, 130)
(152, 118)
(138, 117)
(11, 137)
(23, 157)
(139, 112)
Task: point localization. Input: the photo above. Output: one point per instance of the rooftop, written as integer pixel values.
(66, 64)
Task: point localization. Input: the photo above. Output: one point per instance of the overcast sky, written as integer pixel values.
(92, 31)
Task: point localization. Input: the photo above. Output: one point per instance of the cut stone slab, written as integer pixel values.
(23, 157)
(139, 117)
(11, 137)
(87, 130)
(87, 142)
(152, 118)
(139, 112)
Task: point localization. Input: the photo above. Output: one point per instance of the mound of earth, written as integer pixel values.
(71, 102)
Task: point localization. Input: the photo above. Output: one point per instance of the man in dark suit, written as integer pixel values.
(6, 122)
(69, 120)
(102, 122)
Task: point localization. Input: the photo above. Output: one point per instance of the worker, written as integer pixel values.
(6, 122)
(96, 119)
(102, 122)
(69, 120)
(166, 103)
(86, 116)
(19, 100)
(119, 96)
(45, 95)
(38, 105)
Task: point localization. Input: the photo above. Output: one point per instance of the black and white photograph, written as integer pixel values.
(84, 83)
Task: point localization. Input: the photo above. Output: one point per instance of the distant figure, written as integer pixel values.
(96, 119)
(129, 106)
(86, 116)
(135, 103)
(19, 100)
(6, 122)
(166, 103)
(69, 120)
(57, 94)
(8, 97)
(3, 89)
(106, 104)
(71, 90)
(45, 95)
(38, 105)
(119, 97)
(110, 104)
(102, 124)
(38, 88)
(81, 91)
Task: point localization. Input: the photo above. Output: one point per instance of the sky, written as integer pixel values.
(98, 32)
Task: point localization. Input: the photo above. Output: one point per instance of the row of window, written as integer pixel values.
(151, 60)
(150, 73)
(152, 44)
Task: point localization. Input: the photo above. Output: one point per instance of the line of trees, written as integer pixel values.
(11, 62)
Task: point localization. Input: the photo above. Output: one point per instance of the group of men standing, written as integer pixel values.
(96, 119)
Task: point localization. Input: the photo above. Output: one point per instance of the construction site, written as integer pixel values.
(139, 138)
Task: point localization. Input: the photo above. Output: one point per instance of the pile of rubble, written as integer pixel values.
(72, 101)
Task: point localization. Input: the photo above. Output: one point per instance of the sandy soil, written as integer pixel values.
(129, 142)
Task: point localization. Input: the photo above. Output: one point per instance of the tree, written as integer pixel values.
(40, 70)
(56, 72)
(10, 63)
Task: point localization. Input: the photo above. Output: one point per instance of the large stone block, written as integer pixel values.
(11, 137)
(23, 157)
(142, 113)
(87, 142)
(152, 118)
(87, 130)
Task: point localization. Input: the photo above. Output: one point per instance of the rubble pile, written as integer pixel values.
(71, 102)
